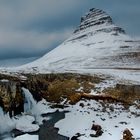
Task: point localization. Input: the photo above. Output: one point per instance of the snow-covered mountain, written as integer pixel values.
(97, 43)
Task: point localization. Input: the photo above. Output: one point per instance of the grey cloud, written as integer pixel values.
(20, 33)
(28, 44)
(24, 12)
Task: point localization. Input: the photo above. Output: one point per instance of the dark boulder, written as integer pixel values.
(127, 135)
(98, 130)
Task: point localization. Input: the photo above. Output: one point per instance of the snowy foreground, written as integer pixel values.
(113, 118)
(80, 120)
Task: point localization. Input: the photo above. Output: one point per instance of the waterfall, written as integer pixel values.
(31, 106)
(29, 102)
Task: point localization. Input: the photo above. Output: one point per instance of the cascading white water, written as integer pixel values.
(33, 108)
(30, 105)
(29, 102)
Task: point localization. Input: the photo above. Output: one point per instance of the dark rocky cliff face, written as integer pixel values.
(11, 98)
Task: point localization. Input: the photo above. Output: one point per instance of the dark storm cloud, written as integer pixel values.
(31, 28)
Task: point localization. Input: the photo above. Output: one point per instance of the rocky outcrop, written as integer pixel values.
(11, 98)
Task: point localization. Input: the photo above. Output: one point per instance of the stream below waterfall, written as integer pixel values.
(46, 131)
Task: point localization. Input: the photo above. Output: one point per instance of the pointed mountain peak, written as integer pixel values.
(97, 18)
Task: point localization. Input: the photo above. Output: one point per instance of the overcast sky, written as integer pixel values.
(30, 28)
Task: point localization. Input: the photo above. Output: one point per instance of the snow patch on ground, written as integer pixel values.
(113, 122)
(100, 87)
(24, 123)
(27, 137)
